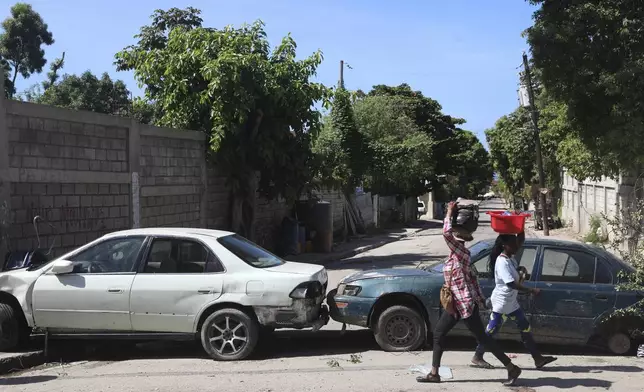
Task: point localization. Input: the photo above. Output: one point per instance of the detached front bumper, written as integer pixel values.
(304, 313)
(350, 309)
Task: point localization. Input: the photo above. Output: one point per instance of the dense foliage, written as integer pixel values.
(259, 107)
(24, 33)
(256, 103)
(590, 55)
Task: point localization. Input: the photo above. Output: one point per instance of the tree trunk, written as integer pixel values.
(243, 206)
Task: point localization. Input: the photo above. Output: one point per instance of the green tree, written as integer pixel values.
(21, 42)
(352, 142)
(512, 150)
(5, 68)
(471, 165)
(88, 92)
(255, 103)
(402, 154)
(590, 54)
(427, 114)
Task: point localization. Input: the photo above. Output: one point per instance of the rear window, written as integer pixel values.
(249, 252)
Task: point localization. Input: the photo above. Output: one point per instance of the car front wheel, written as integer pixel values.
(9, 328)
(400, 328)
(229, 335)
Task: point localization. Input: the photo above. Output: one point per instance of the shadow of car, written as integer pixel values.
(577, 304)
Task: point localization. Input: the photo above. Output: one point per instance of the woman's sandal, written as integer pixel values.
(430, 378)
(480, 363)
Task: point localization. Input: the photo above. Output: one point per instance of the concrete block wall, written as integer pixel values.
(67, 169)
(90, 174)
(172, 172)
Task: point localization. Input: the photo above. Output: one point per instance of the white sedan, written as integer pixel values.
(158, 283)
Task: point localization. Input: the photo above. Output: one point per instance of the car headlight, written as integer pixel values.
(348, 290)
(307, 290)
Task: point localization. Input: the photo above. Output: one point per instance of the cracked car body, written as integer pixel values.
(565, 312)
(148, 298)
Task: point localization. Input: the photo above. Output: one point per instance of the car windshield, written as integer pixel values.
(479, 247)
(249, 252)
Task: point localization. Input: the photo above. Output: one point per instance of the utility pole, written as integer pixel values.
(341, 73)
(535, 122)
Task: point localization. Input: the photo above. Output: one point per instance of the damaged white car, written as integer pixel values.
(159, 283)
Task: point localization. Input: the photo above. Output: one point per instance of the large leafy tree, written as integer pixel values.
(471, 165)
(24, 34)
(427, 114)
(256, 103)
(512, 150)
(402, 160)
(341, 151)
(5, 72)
(590, 55)
(88, 92)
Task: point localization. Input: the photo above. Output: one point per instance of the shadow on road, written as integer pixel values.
(524, 384)
(26, 380)
(296, 344)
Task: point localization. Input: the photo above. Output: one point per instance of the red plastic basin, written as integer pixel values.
(507, 224)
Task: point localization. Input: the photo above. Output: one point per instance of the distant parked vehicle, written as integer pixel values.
(171, 283)
(422, 209)
(489, 196)
(577, 298)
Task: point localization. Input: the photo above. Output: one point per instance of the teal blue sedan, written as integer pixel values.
(578, 296)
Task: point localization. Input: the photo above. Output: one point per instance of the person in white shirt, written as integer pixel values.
(505, 305)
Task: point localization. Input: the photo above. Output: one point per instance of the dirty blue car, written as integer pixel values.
(578, 295)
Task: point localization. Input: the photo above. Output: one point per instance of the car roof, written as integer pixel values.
(553, 241)
(569, 244)
(171, 231)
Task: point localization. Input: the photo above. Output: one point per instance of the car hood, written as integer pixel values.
(438, 268)
(313, 271)
(385, 274)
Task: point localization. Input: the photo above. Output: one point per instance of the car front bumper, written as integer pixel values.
(303, 313)
(349, 309)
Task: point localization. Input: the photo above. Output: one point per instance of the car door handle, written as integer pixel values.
(204, 291)
(115, 291)
(601, 297)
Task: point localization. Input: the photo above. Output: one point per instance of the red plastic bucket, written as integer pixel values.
(507, 224)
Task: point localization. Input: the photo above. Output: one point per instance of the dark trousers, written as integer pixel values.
(496, 322)
(475, 325)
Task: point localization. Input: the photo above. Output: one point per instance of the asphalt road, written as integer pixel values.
(326, 360)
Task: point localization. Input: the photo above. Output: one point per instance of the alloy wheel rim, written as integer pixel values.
(228, 335)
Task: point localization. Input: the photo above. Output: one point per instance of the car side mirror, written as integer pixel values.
(62, 267)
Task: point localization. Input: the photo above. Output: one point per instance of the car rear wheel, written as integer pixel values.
(400, 328)
(229, 335)
(9, 328)
(619, 343)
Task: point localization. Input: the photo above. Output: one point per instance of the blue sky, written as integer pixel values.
(463, 53)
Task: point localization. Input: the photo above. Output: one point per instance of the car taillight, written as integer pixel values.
(307, 290)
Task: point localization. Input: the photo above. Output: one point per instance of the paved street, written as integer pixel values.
(325, 361)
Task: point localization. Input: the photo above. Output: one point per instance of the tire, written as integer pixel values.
(619, 343)
(400, 328)
(9, 328)
(233, 333)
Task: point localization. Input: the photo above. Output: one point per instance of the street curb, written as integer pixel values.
(338, 257)
(21, 361)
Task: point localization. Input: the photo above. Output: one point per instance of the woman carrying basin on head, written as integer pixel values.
(466, 298)
(505, 305)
